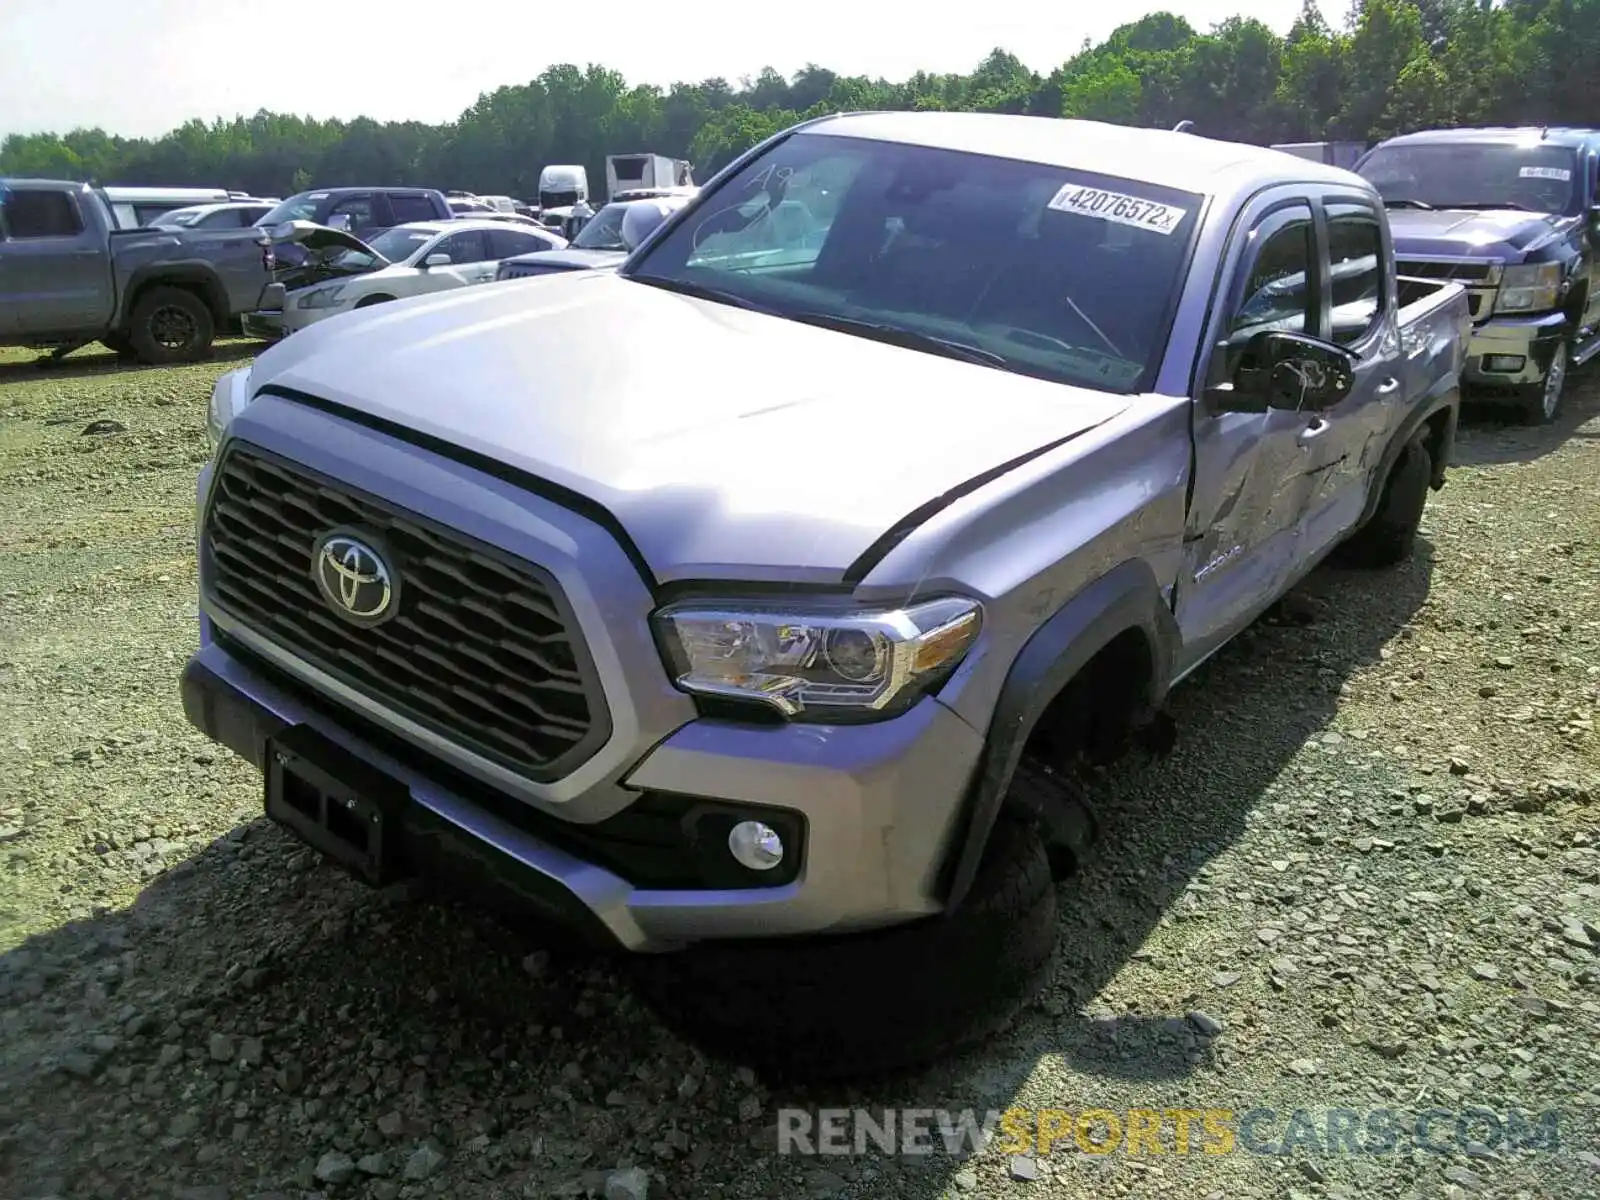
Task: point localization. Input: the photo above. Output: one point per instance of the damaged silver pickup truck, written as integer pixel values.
(779, 678)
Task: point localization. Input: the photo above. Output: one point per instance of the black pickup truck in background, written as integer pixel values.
(69, 277)
(1514, 216)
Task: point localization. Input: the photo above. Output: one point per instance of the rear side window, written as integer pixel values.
(507, 243)
(412, 208)
(41, 215)
(223, 218)
(1355, 255)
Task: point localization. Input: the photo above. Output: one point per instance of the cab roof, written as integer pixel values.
(1185, 161)
(1506, 135)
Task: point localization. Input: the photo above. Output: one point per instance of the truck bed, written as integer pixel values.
(1435, 320)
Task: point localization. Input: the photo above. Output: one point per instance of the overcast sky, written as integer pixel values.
(141, 67)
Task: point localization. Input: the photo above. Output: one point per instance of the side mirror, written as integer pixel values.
(436, 260)
(1280, 370)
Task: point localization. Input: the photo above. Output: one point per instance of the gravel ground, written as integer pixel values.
(1368, 878)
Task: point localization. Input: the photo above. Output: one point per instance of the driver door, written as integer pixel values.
(1242, 542)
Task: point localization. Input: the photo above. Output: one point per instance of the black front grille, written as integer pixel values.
(1460, 272)
(483, 649)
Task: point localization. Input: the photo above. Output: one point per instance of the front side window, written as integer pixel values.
(603, 230)
(1277, 291)
(302, 207)
(1536, 177)
(462, 248)
(1027, 267)
(1355, 255)
(352, 213)
(41, 215)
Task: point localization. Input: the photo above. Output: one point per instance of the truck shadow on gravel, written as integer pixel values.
(1491, 436)
(374, 1012)
(1241, 718)
(96, 362)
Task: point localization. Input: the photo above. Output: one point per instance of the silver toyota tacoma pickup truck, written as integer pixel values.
(788, 675)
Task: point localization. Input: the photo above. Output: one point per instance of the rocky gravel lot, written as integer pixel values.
(1368, 878)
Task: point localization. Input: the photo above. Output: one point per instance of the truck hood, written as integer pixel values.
(727, 443)
(1506, 235)
(321, 241)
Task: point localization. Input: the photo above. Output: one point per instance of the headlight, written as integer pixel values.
(321, 298)
(228, 398)
(838, 664)
(1529, 288)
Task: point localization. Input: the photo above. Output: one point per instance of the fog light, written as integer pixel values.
(1503, 362)
(755, 845)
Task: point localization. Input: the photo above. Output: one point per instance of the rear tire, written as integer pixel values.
(875, 1004)
(1540, 403)
(171, 325)
(1389, 538)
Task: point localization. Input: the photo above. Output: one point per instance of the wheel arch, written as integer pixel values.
(199, 278)
(1117, 632)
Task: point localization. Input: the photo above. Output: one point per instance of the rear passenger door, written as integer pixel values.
(1241, 544)
(1344, 443)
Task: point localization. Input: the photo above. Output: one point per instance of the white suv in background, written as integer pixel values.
(414, 260)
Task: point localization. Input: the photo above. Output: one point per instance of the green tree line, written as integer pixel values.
(1390, 66)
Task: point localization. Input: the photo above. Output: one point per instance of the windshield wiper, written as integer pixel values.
(910, 339)
(1422, 204)
(700, 291)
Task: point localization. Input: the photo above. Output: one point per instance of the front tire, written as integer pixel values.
(171, 325)
(1540, 403)
(1389, 538)
(868, 1005)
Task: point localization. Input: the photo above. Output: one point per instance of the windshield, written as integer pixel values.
(1031, 268)
(604, 230)
(1537, 177)
(296, 208)
(396, 245)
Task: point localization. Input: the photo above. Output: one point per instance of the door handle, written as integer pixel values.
(1389, 387)
(1313, 431)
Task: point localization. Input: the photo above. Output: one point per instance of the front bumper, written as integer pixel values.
(265, 324)
(878, 801)
(1513, 352)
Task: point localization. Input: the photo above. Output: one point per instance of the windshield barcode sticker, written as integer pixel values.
(1117, 208)
(1558, 173)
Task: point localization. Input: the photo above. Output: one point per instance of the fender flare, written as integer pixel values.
(195, 274)
(1127, 597)
(1446, 401)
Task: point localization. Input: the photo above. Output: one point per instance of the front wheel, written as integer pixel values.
(171, 325)
(865, 1005)
(1541, 402)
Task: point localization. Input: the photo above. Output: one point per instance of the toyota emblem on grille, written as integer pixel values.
(354, 578)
